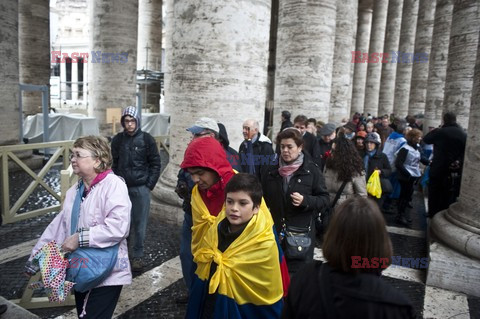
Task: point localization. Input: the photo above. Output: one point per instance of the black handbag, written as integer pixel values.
(323, 218)
(297, 242)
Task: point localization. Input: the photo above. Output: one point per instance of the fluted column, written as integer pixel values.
(406, 57)
(217, 68)
(345, 32)
(374, 70)
(437, 67)
(423, 47)
(113, 60)
(455, 259)
(34, 50)
(9, 72)
(461, 59)
(305, 46)
(389, 69)
(361, 45)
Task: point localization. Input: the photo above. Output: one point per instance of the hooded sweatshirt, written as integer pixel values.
(208, 152)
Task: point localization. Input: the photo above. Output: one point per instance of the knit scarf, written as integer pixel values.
(286, 170)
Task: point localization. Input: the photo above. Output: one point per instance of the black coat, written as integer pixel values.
(308, 181)
(379, 161)
(136, 158)
(448, 146)
(262, 148)
(315, 291)
(312, 147)
(325, 149)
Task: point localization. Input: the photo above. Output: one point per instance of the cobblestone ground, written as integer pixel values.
(162, 244)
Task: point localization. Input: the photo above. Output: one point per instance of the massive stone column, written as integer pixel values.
(437, 67)
(9, 72)
(305, 46)
(149, 48)
(455, 256)
(34, 50)
(374, 71)
(361, 45)
(389, 69)
(461, 58)
(217, 67)
(113, 60)
(405, 57)
(423, 46)
(345, 32)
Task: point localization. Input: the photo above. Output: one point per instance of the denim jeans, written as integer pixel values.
(186, 257)
(140, 198)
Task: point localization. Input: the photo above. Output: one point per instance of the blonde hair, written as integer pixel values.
(99, 148)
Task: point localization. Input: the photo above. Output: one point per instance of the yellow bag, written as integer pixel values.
(374, 187)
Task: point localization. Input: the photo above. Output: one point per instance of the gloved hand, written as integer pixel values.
(30, 268)
(182, 189)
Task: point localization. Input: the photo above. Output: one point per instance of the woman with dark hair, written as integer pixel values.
(295, 192)
(357, 248)
(408, 172)
(345, 165)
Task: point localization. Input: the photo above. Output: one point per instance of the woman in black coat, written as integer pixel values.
(374, 159)
(294, 191)
(357, 248)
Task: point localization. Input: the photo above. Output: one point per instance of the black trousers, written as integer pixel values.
(101, 302)
(406, 193)
(442, 192)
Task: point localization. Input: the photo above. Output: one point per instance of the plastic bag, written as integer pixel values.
(374, 187)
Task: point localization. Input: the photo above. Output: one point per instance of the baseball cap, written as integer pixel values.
(204, 123)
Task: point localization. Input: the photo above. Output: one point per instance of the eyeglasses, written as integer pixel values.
(129, 121)
(77, 155)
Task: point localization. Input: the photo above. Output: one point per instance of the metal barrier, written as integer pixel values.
(10, 214)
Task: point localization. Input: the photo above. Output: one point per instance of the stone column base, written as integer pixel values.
(166, 203)
(451, 270)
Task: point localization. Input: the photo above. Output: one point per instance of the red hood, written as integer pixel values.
(208, 152)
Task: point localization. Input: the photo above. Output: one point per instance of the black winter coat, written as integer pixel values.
(308, 181)
(318, 289)
(448, 146)
(136, 159)
(264, 155)
(379, 161)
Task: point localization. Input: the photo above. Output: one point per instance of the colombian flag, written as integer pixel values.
(249, 280)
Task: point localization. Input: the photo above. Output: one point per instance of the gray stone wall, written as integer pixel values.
(112, 72)
(305, 47)
(9, 72)
(462, 55)
(345, 33)
(34, 50)
(437, 68)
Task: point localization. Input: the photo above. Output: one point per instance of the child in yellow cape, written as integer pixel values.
(238, 261)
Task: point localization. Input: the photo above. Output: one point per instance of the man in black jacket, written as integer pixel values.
(136, 159)
(445, 170)
(311, 143)
(256, 152)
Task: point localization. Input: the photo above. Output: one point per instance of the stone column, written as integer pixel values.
(374, 71)
(217, 67)
(437, 67)
(345, 32)
(305, 46)
(423, 46)
(455, 258)
(389, 69)
(361, 45)
(113, 60)
(34, 50)
(461, 59)
(405, 58)
(149, 48)
(9, 72)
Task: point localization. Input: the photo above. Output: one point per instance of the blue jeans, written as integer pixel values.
(140, 198)
(186, 257)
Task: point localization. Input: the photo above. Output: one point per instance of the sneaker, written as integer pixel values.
(3, 309)
(137, 264)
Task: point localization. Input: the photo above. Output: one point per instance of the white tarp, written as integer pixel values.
(63, 127)
(155, 123)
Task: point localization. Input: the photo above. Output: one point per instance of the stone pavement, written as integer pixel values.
(155, 291)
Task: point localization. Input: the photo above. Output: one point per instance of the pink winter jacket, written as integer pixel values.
(106, 211)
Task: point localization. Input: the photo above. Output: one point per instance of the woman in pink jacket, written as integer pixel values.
(104, 221)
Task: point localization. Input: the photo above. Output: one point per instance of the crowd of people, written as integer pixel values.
(251, 217)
